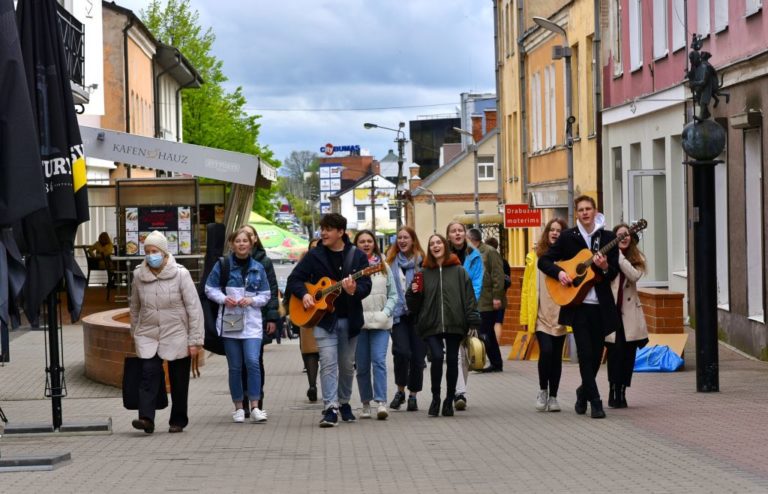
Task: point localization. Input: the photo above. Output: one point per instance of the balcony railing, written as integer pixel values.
(74, 44)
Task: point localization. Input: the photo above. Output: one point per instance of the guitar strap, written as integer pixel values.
(596, 240)
(348, 259)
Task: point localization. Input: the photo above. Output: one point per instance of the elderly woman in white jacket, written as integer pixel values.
(246, 291)
(371, 352)
(166, 324)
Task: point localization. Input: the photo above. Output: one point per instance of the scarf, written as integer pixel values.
(408, 266)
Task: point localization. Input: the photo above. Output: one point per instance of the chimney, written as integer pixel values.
(375, 167)
(413, 171)
(415, 180)
(477, 127)
(490, 119)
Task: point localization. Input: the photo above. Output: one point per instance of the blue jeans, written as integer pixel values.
(372, 352)
(243, 351)
(337, 363)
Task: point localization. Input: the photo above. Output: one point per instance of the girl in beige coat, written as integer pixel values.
(623, 344)
(166, 324)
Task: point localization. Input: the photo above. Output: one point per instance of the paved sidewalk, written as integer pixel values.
(671, 439)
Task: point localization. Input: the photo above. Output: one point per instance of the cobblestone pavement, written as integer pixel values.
(671, 439)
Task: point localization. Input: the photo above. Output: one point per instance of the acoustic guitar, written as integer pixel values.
(579, 269)
(324, 292)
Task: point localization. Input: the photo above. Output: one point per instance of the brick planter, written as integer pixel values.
(107, 341)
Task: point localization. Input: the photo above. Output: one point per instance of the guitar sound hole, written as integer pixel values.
(581, 269)
(317, 296)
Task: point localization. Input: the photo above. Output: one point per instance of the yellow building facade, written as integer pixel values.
(533, 110)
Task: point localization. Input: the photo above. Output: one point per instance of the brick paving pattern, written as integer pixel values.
(671, 439)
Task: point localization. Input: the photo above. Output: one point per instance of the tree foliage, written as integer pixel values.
(212, 116)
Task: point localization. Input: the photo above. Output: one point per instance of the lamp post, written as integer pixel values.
(373, 207)
(400, 140)
(473, 147)
(432, 201)
(564, 52)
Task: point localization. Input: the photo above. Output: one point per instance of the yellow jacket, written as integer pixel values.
(529, 296)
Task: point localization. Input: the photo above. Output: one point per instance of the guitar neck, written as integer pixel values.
(606, 248)
(337, 286)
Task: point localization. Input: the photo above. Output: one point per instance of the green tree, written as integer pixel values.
(212, 116)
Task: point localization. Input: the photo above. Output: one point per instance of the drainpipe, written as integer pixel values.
(178, 106)
(521, 95)
(127, 87)
(597, 102)
(499, 141)
(157, 91)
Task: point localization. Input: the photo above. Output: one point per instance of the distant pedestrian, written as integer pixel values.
(494, 243)
(633, 333)
(539, 314)
(472, 261)
(166, 324)
(372, 343)
(445, 307)
(408, 351)
(337, 331)
(491, 299)
(239, 320)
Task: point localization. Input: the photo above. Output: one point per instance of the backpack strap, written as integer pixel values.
(224, 274)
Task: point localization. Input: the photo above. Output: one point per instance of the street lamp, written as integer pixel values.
(434, 206)
(473, 147)
(564, 52)
(400, 140)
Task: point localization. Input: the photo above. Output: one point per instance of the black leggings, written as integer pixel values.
(550, 361)
(448, 351)
(311, 363)
(621, 359)
(408, 353)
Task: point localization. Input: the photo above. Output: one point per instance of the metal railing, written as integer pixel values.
(73, 35)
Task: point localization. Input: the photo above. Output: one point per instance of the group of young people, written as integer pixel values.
(426, 302)
(610, 315)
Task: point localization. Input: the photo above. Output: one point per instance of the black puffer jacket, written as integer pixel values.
(447, 303)
(271, 311)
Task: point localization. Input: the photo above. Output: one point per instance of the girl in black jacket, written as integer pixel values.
(445, 307)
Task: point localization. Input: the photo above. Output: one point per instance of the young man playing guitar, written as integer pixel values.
(336, 333)
(596, 315)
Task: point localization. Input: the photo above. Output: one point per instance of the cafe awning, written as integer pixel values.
(179, 157)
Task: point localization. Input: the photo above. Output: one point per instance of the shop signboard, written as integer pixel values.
(521, 216)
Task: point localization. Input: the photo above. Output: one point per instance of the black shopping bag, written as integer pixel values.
(132, 383)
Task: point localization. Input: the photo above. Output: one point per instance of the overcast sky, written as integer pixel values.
(293, 58)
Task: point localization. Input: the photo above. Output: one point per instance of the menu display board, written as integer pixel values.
(175, 222)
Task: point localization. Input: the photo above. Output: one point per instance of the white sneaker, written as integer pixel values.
(258, 416)
(553, 405)
(366, 413)
(238, 416)
(381, 411)
(541, 400)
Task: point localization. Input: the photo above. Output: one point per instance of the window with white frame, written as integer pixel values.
(552, 115)
(660, 29)
(753, 6)
(548, 83)
(618, 68)
(702, 18)
(721, 239)
(721, 15)
(392, 212)
(754, 222)
(361, 213)
(678, 24)
(536, 112)
(486, 168)
(635, 34)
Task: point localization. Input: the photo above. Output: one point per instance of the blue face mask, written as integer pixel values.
(154, 260)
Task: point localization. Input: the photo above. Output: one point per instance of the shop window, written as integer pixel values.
(721, 224)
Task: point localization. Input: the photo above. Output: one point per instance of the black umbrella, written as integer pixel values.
(21, 177)
(49, 233)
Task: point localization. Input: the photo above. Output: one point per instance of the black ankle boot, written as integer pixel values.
(613, 396)
(434, 407)
(621, 391)
(597, 409)
(581, 402)
(448, 407)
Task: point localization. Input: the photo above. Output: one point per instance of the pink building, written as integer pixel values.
(646, 105)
